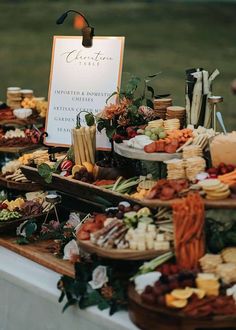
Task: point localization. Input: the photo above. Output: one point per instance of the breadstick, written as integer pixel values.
(93, 135)
(76, 148)
(89, 144)
(80, 144)
(86, 152)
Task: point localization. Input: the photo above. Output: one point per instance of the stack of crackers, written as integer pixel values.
(156, 123)
(14, 97)
(175, 169)
(194, 166)
(214, 189)
(192, 151)
(227, 272)
(171, 124)
(210, 262)
(229, 255)
(201, 140)
(160, 106)
(27, 93)
(177, 112)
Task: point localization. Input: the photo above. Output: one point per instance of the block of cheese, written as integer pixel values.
(222, 149)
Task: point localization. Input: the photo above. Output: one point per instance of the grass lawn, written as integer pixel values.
(160, 36)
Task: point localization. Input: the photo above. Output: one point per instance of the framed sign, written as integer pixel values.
(81, 79)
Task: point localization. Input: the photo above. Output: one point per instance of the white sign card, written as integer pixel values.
(81, 79)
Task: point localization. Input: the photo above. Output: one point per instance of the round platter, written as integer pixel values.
(119, 254)
(148, 317)
(123, 150)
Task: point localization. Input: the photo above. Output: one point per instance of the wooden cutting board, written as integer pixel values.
(39, 253)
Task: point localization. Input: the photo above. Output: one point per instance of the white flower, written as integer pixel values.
(141, 281)
(99, 277)
(19, 231)
(74, 219)
(70, 250)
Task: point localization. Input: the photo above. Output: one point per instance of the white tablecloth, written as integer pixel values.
(28, 301)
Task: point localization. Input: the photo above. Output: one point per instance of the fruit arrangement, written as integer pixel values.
(154, 133)
(171, 142)
(82, 172)
(221, 169)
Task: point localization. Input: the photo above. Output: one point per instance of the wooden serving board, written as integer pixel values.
(39, 252)
(119, 254)
(22, 122)
(123, 150)
(6, 226)
(18, 149)
(21, 186)
(91, 192)
(148, 317)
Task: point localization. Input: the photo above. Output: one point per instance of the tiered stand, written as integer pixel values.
(97, 194)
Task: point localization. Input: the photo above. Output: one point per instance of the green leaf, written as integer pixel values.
(61, 297)
(89, 118)
(154, 75)
(110, 131)
(68, 304)
(22, 241)
(101, 124)
(103, 304)
(70, 154)
(113, 308)
(114, 93)
(30, 228)
(138, 102)
(45, 171)
(131, 86)
(151, 90)
(149, 103)
(89, 299)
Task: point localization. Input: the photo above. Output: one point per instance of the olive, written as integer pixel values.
(120, 215)
(136, 207)
(121, 207)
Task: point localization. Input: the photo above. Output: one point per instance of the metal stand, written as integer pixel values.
(214, 100)
(53, 199)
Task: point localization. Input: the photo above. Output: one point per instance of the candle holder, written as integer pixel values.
(53, 199)
(214, 100)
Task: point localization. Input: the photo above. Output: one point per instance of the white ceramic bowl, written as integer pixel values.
(22, 113)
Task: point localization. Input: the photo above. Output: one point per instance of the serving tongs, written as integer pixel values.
(221, 122)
